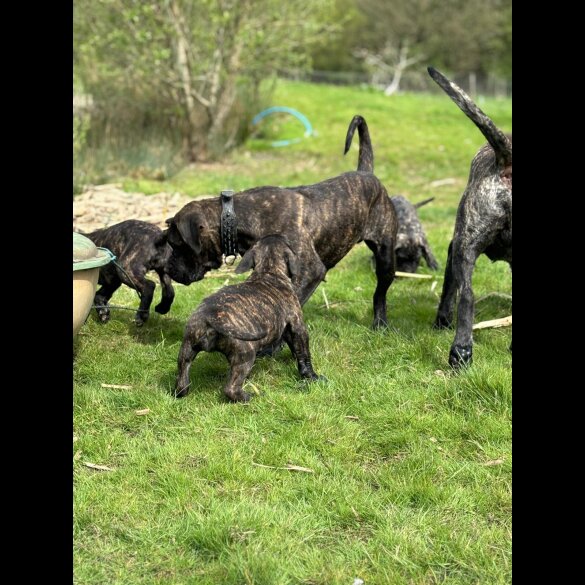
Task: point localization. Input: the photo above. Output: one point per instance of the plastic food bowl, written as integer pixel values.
(87, 260)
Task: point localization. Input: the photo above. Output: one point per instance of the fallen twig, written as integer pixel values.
(412, 275)
(325, 298)
(98, 467)
(493, 462)
(287, 467)
(118, 386)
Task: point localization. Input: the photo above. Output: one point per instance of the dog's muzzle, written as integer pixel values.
(182, 274)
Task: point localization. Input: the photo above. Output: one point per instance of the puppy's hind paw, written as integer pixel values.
(238, 396)
(460, 356)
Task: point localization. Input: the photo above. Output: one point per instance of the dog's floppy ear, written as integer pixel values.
(293, 263)
(247, 262)
(428, 255)
(189, 230)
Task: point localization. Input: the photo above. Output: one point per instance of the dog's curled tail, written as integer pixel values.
(424, 202)
(366, 154)
(497, 139)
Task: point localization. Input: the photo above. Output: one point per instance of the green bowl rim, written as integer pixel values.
(103, 257)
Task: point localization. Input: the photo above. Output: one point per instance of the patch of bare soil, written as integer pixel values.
(104, 205)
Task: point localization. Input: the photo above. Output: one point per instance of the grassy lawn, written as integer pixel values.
(411, 463)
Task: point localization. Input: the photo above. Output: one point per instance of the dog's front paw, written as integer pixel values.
(163, 308)
(442, 322)
(141, 318)
(460, 356)
(104, 315)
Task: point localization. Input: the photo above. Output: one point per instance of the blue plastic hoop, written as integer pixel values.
(275, 109)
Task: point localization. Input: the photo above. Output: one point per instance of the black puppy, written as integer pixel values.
(483, 224)
(239, 319)
(411, 241)
(139, 247)
(322, 222)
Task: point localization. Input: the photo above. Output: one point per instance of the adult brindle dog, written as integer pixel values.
(483, 224)
(322, 223)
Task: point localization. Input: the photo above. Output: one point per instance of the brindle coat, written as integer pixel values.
(139, 247)
(411, 241)
(239, 319)
(483, 224)
(322, 223)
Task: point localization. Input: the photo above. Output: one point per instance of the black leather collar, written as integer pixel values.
(229, 225)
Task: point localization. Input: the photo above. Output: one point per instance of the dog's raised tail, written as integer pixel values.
(497, 139)
(366, 154)
(423, 202)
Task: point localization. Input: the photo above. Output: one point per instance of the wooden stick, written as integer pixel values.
(325, 298)
(287, 467)
(118, 386)
(412, 275)
(98, 467)
(503, 322)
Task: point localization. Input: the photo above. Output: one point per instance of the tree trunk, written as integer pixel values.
(195, 138)
(227, 95)
(403, 63)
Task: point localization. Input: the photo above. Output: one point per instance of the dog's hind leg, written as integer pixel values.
(187, 354)
(168, 293)
(444, 317)
(313, 274)
(385, 259)
(462, 266)
(136, 279)
(102, 298)
(241, 363)
(297, 338)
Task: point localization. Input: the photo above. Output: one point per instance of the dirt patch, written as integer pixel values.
(104, 205)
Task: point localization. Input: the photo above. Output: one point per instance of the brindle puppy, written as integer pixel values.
(239, 319)
(139, 247)
(411, 243)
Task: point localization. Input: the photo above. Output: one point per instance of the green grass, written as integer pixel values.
(415, 490)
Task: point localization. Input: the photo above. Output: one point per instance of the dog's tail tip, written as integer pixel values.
(356, 122)
(423, 202)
